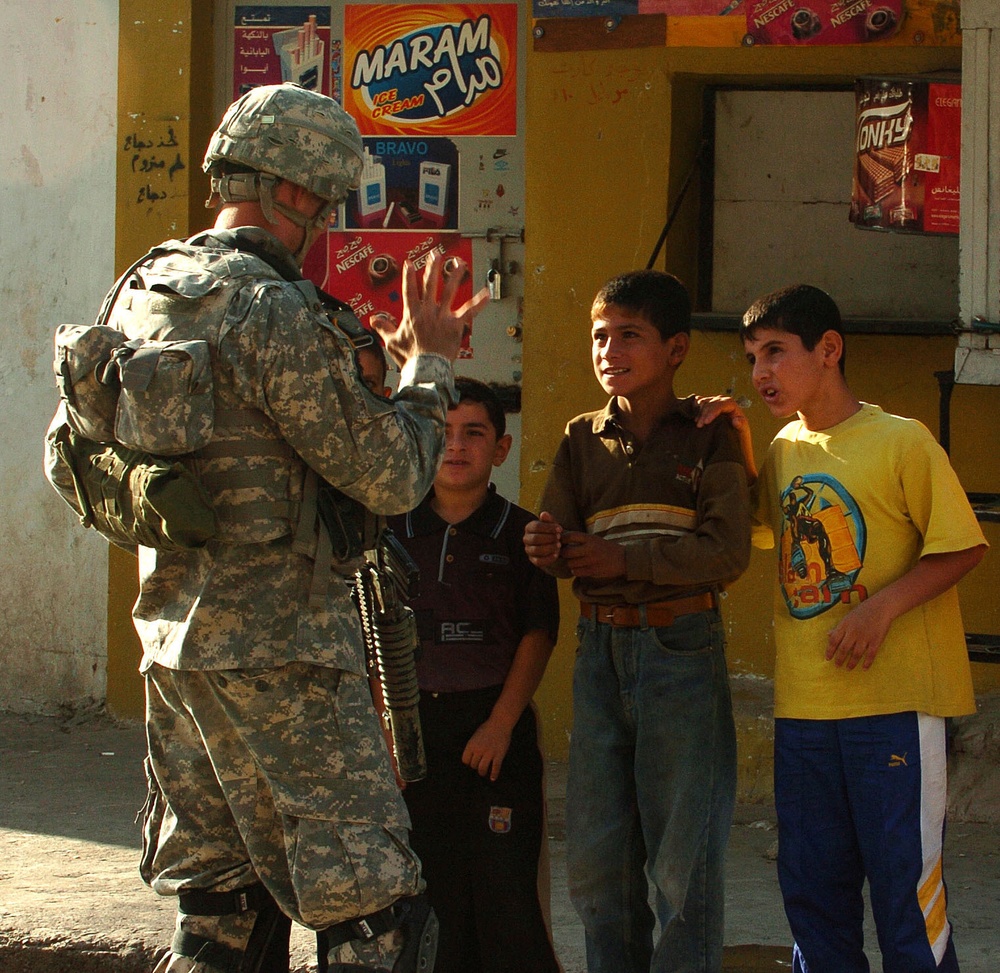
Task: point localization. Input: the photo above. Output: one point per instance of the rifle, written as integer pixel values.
(382, 585)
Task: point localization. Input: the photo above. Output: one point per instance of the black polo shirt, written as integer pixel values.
(479, 593)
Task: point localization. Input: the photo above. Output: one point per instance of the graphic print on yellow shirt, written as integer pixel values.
(822, 547)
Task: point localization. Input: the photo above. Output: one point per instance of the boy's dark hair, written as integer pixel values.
(471, 390)
(659, 297)
(800, 309)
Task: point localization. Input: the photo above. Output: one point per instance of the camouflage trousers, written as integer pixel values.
(277, 775)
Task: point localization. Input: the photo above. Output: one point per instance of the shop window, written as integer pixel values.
(776, 192)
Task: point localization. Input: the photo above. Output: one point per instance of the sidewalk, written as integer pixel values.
(71, 898)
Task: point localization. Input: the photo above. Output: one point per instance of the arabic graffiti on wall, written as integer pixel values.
(153, 155)
(275, 44)
(431, 69)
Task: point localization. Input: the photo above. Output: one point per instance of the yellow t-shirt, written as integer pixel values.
(852, 509)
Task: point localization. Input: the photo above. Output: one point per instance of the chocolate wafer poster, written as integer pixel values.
(907, 155)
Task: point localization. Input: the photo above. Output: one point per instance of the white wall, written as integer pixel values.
(57, 224)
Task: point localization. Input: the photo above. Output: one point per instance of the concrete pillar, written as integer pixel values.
(977, 358)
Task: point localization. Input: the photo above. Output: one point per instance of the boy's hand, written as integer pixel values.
(486, 749)
(430, 325)
(858, 637)
(589, 556)
(543, 540)
(710, 407)
(862, 631)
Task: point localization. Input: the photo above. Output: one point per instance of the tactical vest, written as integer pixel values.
(148, 375)
(194, 294)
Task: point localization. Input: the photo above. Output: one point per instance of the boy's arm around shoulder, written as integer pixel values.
(726, 408)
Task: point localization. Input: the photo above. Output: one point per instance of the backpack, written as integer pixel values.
(126, 409)
(136, 418)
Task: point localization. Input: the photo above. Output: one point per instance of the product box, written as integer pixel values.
(433, 192)
(907, 154)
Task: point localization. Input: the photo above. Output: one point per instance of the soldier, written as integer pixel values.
(271, 793)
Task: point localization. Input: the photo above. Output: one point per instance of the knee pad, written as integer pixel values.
(266, 949)
(416, 950)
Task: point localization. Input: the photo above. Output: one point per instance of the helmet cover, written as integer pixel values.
(293, 133)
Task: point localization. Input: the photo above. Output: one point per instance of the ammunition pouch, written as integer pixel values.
(129, 496)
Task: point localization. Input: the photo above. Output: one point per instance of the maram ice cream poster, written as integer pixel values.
(415, 77)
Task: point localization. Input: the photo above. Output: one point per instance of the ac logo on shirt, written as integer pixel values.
(822, 549)
(461, 632)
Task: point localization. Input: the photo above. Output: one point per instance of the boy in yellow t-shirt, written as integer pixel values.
(873, 532)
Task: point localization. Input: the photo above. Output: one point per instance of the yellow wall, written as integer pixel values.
(610, 137)
(609, 132)
(164, 116)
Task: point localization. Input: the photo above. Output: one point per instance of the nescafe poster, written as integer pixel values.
(365, 268)
(907, 155)
(822, 21)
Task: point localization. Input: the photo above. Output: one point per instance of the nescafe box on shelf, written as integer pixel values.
(908, 135)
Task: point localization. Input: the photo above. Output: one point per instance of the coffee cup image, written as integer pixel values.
(382, 267)
(805, 23)
(880, 22)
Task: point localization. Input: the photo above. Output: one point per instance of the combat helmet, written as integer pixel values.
(284, 131)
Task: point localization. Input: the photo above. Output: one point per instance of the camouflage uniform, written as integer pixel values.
(263, 742)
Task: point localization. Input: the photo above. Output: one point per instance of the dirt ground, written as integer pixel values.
(71, 898)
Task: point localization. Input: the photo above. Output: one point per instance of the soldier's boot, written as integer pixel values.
(242, 931)
(401, 938)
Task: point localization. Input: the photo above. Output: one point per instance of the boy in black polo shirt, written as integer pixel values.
(488, 620)
(650, 516)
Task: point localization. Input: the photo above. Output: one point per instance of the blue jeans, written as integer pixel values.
(650, 792)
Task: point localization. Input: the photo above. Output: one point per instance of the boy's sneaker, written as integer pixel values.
(402, 938)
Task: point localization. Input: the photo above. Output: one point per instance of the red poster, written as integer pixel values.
(907, 161)
(364, 268)
(431, 69)
(941, 163)
(822, 21)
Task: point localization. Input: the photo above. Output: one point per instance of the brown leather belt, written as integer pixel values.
(659, 614)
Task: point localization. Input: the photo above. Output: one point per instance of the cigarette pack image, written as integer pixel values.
(301, 51)
(433, 191)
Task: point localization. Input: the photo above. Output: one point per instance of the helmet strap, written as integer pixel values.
(308, 223)
(245, 187)
(258, 187)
